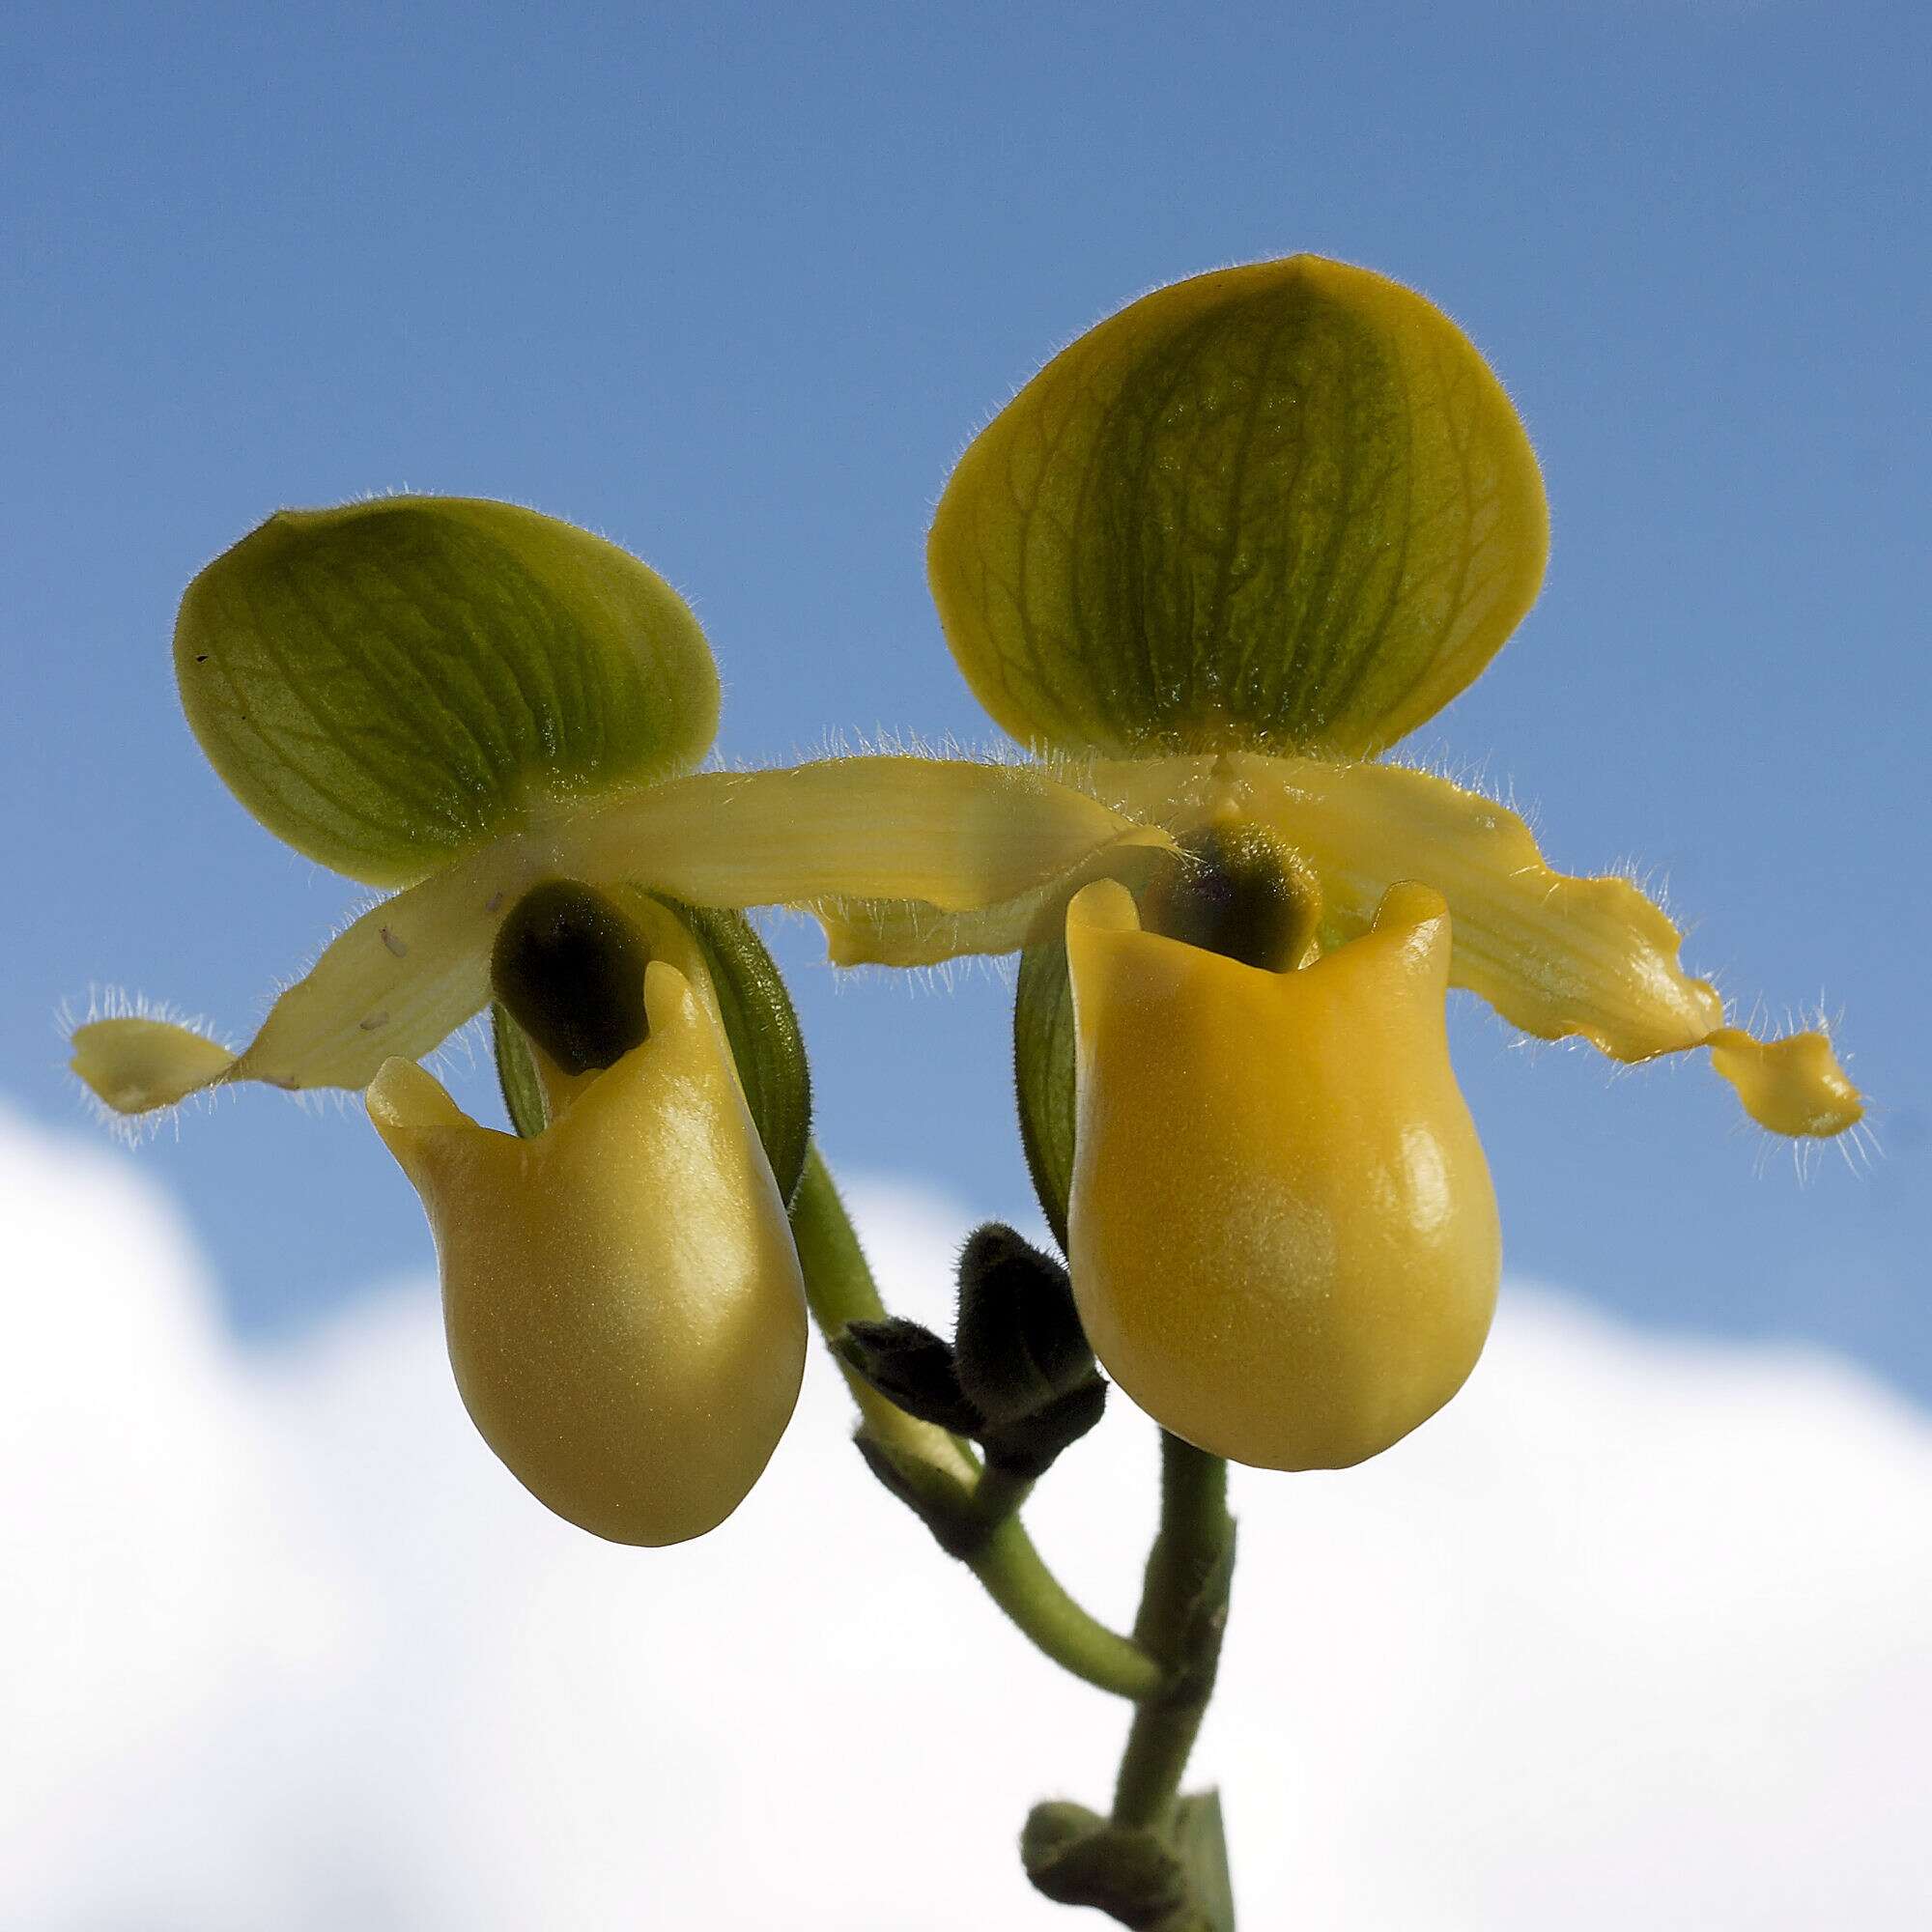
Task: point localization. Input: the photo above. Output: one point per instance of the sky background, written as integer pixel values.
(733, 286)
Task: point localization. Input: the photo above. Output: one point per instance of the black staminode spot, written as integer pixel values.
(1231, 892)
(571, 970)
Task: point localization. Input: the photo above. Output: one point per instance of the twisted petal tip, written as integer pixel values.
(134, 1065)
(1792, 1086)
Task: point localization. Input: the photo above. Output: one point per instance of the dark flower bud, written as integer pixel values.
(912, 1368)
(1029, 1446)
(1020, 1347)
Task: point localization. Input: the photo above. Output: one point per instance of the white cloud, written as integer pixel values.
(1633, 1633)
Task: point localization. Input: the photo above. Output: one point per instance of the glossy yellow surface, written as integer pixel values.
(1283, 1234)
(621, 1294)
(1792, 1086)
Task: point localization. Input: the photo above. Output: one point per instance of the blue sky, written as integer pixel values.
(734, 285)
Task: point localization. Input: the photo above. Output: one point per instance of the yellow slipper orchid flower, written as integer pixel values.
(1215, 559)
(486, 707)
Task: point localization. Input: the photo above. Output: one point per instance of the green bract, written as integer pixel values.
(390, 684)
(762, 1028)
(1284, 505)
(1043, 1075)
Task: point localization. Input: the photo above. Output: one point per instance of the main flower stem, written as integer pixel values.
(1182, 1614)
(947, 1475)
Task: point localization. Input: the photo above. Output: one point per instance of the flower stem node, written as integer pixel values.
(1292, 1270)
(621, 1294)
(1075, 1857)
(1137, 1876)
(960, 1530)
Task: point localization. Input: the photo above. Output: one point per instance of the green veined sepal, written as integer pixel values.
(1284, 506)
(390, 685)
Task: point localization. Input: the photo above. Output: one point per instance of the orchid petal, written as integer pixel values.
(398, 982)
(133, 1063)
(904, 861)
(910, 932)
(1555, 955)
(889, 852)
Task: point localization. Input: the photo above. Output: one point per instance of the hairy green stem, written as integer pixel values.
(1182, 1614)
(1016, 1578)
(839, 1289)
(998, 1496)
(945, 1473)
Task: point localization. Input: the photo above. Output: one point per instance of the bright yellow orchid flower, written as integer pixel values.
(1219, 555)
(1213, 561)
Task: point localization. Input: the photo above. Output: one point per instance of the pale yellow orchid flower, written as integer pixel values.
(483, 707)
